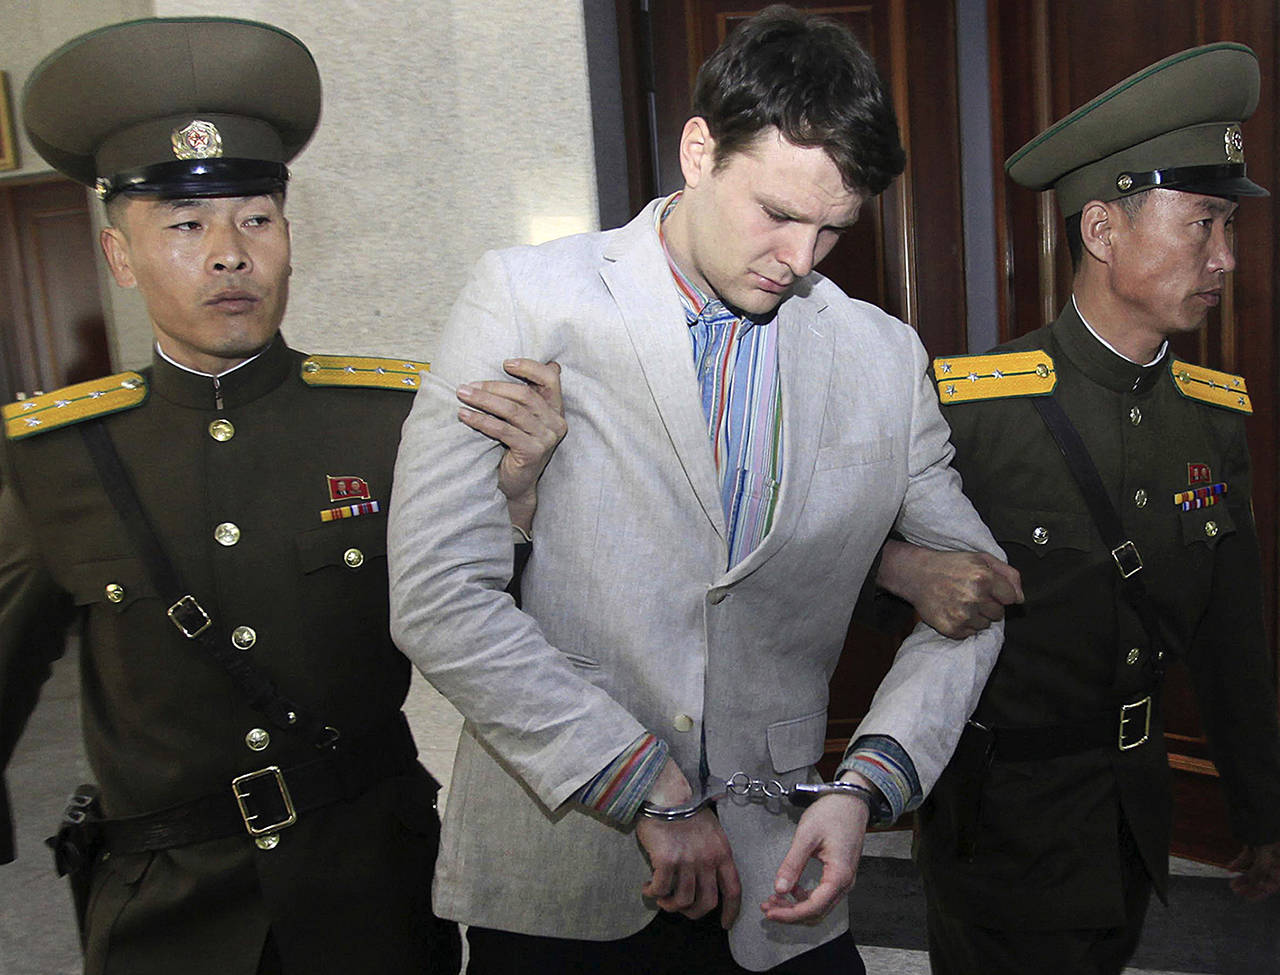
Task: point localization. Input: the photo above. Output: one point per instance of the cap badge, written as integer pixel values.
(198, 140)
(1124, 183)
(1234, 140)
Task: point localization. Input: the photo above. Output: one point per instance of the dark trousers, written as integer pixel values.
(957, 947)
(670, 944)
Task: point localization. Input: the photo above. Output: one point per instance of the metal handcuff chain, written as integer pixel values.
(743, 786)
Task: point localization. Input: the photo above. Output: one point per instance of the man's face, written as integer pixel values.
(213, 272)
(1170, 261)
(760, 222)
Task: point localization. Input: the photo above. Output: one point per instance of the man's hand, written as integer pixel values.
(528, 417)
(831, 830)
(957, 593)
(693, 867)
(1258, 871)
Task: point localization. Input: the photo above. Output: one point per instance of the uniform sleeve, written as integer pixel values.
(449, 556)
(934, 683)
(34, 614)
(1234, 672)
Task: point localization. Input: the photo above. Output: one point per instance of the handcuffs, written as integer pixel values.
(742, 785)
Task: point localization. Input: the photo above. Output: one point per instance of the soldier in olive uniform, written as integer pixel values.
(296, 832)
(1044, 836)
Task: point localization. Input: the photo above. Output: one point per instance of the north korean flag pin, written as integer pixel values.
(348, 487)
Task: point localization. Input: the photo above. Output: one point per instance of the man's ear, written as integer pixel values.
(115, 248)
(697, 151)
(1096, 227)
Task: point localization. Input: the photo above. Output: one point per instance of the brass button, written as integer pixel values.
(268, 842)
(1042, 370)
(115, 592)
(353, 557)
(1135, 416)
(717, 596)
(257, 739)
(1211, 528)
(1140, 498)
(222, 430)
(228, 533)
(682, 722)
(1134, 654)
(1124, 183)
(1040, 535)
(311, 366)
(243, 637)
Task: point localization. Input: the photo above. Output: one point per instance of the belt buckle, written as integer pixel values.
(1128, 561)
(242, 794)
(1127, 719)
(186, 613)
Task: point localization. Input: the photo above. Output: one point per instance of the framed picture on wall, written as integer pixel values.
(8, 138)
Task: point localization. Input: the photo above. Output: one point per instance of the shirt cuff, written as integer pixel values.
(619, 789)
(889, 768)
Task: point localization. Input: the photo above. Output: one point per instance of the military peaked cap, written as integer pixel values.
(1175, 124)
(175, 107)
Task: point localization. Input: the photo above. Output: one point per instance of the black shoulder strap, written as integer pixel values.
(185, 611)
(1127, 558)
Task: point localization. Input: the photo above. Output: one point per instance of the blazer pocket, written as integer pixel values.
(797, 743)
(1206, 525)
(329, 544)
(115, 583)
(1042, 532)
(578, 660)
(838, 455)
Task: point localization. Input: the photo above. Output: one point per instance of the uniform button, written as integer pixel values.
(1135, 416)
(115, 592)
(1040, 535)
(222, 430)
(717, 596)
(257, 739)
(353, 557)
(1211, 528)
(1159, 656)
(269, 842)
(243, 637)
(1140, 498)
(228, 533)
(682, 722)
(1134, 654)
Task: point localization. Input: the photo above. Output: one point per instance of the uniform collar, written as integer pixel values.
(1100, 363)
(241, 385)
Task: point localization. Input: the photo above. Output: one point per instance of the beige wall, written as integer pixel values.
(449, 127)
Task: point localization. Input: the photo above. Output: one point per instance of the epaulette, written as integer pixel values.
(71, 404)
(366, 371)
(1211, 386)
(965, 378)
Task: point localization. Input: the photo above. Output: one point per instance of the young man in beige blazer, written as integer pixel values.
(701, 536)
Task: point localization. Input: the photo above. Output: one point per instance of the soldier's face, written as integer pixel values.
(748, 230)
(1170, 262)
(214, 273)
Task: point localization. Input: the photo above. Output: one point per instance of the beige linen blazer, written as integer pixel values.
(630, 619)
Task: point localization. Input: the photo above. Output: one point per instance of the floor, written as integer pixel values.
(1203, 932)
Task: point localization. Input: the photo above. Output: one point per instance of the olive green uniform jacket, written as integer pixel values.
(347, 889)
(1044, 848)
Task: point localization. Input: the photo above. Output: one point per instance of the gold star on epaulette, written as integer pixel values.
(1223, 389)
(362, 371)
(72, 404)
(995, 376)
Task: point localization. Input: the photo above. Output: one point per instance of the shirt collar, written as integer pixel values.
(697, 303)
(1094, 332)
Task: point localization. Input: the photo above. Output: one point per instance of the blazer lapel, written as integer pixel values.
(636, 274)
(805, 354)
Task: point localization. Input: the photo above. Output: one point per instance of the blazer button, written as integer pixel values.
(222, 430)
(243, 637)
(257, 739)
(682, 722)
(228, 533)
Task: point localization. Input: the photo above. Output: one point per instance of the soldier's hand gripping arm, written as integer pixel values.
(957, 593)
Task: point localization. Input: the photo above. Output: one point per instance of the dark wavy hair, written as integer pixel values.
(809, 78)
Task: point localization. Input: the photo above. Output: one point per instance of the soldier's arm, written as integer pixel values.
(957, 593)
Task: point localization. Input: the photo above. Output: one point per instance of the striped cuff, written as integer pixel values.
(620, 788)
(890, 769)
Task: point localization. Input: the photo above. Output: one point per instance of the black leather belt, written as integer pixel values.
(266, 800)
(1125, 728)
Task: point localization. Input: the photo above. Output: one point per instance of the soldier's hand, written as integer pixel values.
(692, 863)
(1258, 871)
(528, 418)
(957, 593)
(832, 831)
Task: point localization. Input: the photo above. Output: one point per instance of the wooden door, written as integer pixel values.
(1046, 59)
(52, 330)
